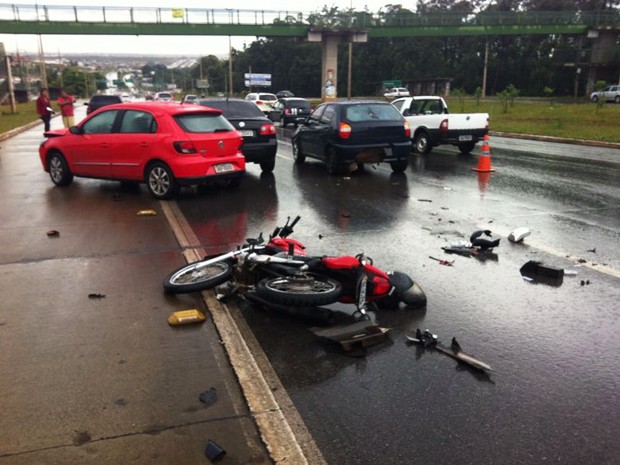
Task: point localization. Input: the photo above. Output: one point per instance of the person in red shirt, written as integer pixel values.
(44, 108)
(65, 101)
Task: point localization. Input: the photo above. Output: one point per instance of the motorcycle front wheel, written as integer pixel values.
(307, 290)
(191, 278)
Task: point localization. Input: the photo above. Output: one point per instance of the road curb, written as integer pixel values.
(274, 428)
(587, 143)
(14, 132)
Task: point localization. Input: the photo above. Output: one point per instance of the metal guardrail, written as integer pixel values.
(342, 19)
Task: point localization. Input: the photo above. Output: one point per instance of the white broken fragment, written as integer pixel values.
(519, 234)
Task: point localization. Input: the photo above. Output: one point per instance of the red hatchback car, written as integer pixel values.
(164, 145)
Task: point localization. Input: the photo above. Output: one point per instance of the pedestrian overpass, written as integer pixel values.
(330, 30)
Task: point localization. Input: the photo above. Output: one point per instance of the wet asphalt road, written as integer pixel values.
(553, 398)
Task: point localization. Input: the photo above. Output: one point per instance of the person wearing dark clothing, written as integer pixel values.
(44, 108)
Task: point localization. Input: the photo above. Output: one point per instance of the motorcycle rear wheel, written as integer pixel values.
(309, 290)
(189, 278)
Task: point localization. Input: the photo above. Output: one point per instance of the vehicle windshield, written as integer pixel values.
(371, 112)
(203, 123)
(234, 109)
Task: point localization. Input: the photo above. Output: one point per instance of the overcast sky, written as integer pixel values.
(189, 45)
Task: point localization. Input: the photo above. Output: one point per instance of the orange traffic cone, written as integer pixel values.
(484, 160)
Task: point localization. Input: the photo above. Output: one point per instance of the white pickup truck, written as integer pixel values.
(432, 125)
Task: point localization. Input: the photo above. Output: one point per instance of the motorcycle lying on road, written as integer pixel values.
(281, 274)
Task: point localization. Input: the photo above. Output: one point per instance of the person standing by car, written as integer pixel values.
(44, 108)
(65, 101)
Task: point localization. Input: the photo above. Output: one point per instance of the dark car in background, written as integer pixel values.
(290, 110)
(284, 94)
(99, 101)
(260, 143)
(348, 134)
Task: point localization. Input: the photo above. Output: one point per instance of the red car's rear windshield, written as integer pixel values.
(203, 123)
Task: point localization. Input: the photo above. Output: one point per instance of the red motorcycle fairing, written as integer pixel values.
(378, 281)
(283, 243)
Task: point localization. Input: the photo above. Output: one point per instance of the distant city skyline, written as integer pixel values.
(164, 45)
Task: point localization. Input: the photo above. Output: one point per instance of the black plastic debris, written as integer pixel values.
(460, 250)
(424, 200)
(53, 233)
(350, 336)
(591, 250)
(214, 451)
(483, 243)
(209, 396)
(538, 272)
(96, 296)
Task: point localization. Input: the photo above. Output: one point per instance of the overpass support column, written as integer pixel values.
(330, 39)
(602, 57)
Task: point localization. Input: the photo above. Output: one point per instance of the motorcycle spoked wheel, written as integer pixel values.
(308, 290)
(189, 278)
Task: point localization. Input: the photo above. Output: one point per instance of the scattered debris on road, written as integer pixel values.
(209, 396)
(214, 451)
(146, 213)
(53, 233)
(592, 250)
(538, 272)
(519, 234)
(429, 340)
(361, 334)
(186, 317)
(442, 262)
(483, 243)
(95, 295)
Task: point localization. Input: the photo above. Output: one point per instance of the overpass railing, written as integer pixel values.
(339, 19)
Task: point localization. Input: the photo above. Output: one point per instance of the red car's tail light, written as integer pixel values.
(407, 129)
(444, 125)
(267, 129)
(185, 147)
(344, 131)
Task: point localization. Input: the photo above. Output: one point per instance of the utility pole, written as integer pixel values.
(230, 75)
(62, 84)
(9, 78)
(350, 57)
(350, 70)
(42, 64)
(486, 64)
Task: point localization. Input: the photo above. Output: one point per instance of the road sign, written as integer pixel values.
(392, 83)
(257, 80)
(202, 83)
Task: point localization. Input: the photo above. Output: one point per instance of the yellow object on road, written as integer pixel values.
(146, 213)
(186, 317)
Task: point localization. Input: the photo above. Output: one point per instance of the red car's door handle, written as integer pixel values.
(144, 145)
(105, 145)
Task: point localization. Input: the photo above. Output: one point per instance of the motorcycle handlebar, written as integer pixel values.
(287, 229)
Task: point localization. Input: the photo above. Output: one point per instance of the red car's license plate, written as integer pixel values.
(224, 167)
